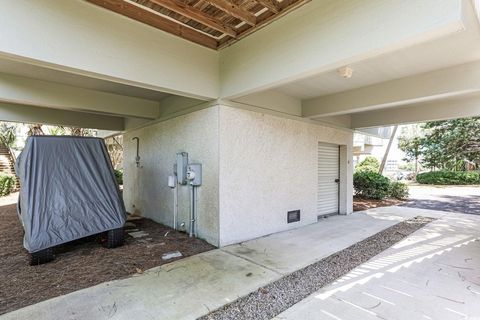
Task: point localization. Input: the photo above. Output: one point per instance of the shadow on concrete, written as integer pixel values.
(469, 204)
(420, 270)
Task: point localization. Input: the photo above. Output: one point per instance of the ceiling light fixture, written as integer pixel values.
(345, 72)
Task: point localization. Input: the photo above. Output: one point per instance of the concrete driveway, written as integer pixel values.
(462, 199)
(432, 274)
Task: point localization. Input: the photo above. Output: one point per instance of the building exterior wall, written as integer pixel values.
(268, 166)
(256, 167)
(145, 188)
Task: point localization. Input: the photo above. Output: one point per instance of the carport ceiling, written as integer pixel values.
(87, 82)
(212, 23)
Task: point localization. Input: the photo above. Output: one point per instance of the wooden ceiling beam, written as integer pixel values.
(271, 5)
(195, 14)
(234, 10)
(286, 3)
(286, 7)
(155, 20)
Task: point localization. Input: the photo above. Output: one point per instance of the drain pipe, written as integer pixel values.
(194, 176)
(137, 157)
(175, 207)
(192, 211)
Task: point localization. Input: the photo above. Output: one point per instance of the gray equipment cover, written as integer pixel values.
(68, 190)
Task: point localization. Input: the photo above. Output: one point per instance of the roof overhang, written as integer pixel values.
(214, 24)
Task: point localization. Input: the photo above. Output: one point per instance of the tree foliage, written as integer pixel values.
(445, 145)
(368, 164)
(412, 147)
(452, 144)
(38, 129)
(8, 133)
(115, 150)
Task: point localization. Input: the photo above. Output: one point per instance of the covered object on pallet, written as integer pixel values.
(68, 190)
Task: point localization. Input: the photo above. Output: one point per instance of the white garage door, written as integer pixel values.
(328, 178)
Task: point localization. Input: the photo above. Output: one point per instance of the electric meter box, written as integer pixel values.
(182, 164)
(196, 169)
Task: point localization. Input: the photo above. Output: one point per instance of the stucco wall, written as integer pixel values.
(256, 168)
(146, 189)
(268, 166)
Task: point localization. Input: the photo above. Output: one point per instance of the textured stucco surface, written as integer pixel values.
(268, 166)
(256, 168)
(146, 190)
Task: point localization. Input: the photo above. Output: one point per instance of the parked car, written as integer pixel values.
(68, 191)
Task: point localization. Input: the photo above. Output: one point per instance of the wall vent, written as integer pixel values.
(293, 216)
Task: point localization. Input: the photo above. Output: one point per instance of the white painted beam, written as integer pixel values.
(273, 100)
(21, 90)
(438, 110)
(454, 81)
(325, 35)
(31, 114)
(81, 38)
(173, 104)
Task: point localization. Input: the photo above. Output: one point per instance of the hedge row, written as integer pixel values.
(7, 184)
(449, 177)
(372, 185)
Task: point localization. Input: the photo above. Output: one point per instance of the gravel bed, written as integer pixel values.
(274, 298)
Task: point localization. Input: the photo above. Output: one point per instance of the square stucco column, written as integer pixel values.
(346, 179)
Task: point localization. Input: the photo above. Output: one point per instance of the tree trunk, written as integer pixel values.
(416, 167)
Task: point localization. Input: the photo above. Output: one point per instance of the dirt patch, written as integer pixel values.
(82, 263)
(360, 204)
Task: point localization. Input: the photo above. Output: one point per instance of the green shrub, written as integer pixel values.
(449, 177)
(398, 190)
(368, 164)
(119, 176)
(371, 185)
(7, 184)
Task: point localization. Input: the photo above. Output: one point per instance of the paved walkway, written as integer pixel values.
(432, 274)
(463, 199)
(191, 287)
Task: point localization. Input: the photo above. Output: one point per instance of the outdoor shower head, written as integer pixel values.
(137, 157)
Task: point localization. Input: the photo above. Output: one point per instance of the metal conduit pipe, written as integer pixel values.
(193, 210)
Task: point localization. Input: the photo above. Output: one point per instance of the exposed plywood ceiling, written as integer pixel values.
(212, 23)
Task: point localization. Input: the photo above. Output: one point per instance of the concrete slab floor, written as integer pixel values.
(432, 274)
(288, 251)
(191, 287)
(185, 289)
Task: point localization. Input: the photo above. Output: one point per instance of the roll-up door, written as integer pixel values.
(328, 178)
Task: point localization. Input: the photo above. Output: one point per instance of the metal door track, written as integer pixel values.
(324, 216)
